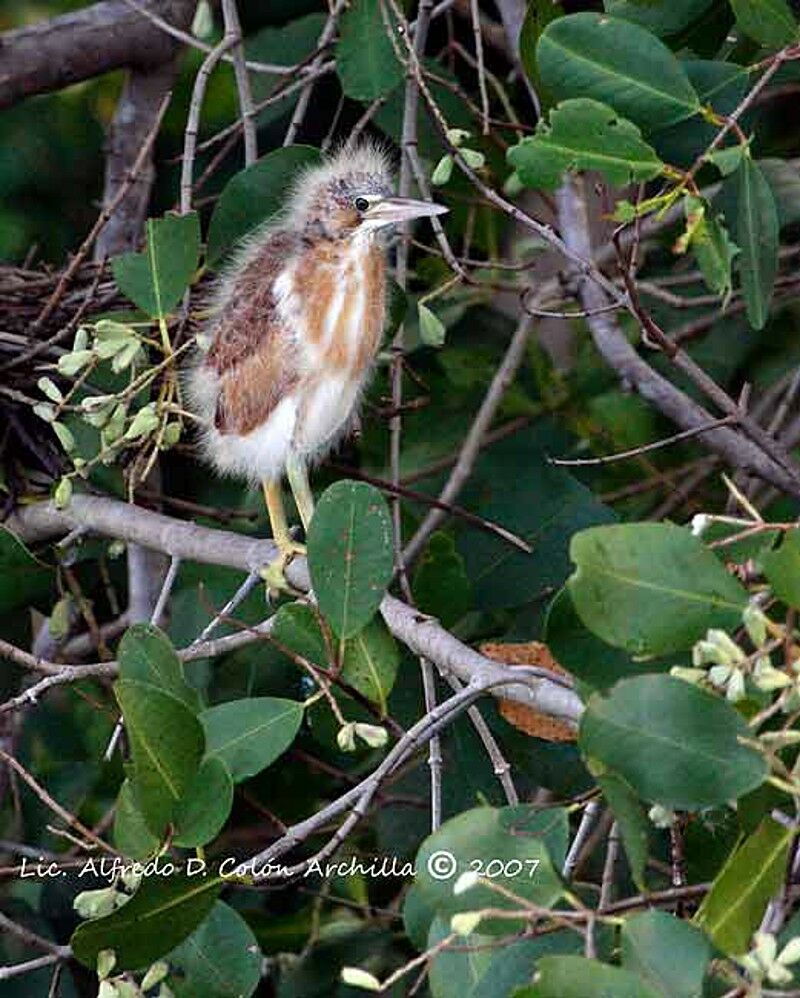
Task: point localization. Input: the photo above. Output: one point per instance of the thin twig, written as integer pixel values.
(233, 31)
(644, 448)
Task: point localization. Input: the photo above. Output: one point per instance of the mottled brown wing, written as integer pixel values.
(250, 351)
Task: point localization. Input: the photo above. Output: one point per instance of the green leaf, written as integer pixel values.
(714, 253)
(784, 181)
(166, 747)
(156, 279)
(476, 967)
(249, 735)
(582, 653)
(23, 578)
(630, 815)
(365, 57)
(718, 84)
(161, 914)
(673, 743)
(254, 196)
(663, 19)
(221, 958)
(432, 330)
(769, 22)
(131, 835)
(350, 554)
(618, 63)
(441, 587)
(650, 944)
(370, 662)
(146, 654)
(729, 159)
(733, 908)
(578, 977)
(584, 135)
(782, 569)
(756, 233)
(651, 588)
(288, 45)
(521, 843)
(538, 15)
(514, 484)
(297, 628)
(205, 806)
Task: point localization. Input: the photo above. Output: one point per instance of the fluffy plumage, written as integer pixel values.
(297, 323)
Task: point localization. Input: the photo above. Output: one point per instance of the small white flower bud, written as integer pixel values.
(755, 623)
(106, 961)
(372, 734)
(465, 882)
(346, 739)
(466, 922)
(358, 978)
(661, 817)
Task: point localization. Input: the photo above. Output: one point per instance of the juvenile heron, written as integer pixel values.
(297, 324)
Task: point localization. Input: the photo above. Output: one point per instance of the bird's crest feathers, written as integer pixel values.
(365, 166)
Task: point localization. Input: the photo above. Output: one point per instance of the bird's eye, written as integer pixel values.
(361, 204)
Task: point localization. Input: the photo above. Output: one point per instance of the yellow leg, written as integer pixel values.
(287, 548)
(297, 474)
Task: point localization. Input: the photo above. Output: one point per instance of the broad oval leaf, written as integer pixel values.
(769, 22)
(673, 743)
(249, 735)
(160, 915)
(156, 279)
(650, 942)
(131, 835)
(254, 196)
(741, 891)
(145, 653)
(756, 233)
(524, 845)
(651, 588)
(205, 806)
(350, 554)
(221, 958)
(618, 63)
(365, 57)
(584, 134)
(296, 627)
(579, 977)
(581, 652)
(166, 747)
(663, 19)
(477, 967)
(441, 585)
(722, 85)
(515, 485)
(538, 15)
(370, 662)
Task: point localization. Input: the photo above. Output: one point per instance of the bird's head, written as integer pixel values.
(351, 194)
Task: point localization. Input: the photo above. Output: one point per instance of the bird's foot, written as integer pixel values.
(274, 574)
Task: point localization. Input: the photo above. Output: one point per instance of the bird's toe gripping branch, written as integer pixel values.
(275, 573)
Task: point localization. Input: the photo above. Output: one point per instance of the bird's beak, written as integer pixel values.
(391, 211)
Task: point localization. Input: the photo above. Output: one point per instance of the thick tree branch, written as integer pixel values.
(63, 50)
(190, 542)
(633, 370)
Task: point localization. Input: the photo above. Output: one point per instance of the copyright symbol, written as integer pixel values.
(441, 864)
